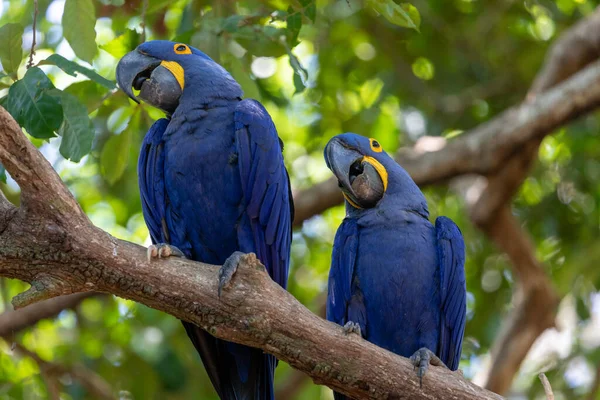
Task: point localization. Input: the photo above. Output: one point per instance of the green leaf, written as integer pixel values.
(300, 74)
(11, 52)
(89, 93)
(310, 9)
(72, 68)
(115, 154)
(123, 44)
(370, 91)
(33, 107)
(404, 15)
(232, 23)
(413, 13)
(294, 24)
(2, 174)
(261, 43)
(77, 130)
(78, 22)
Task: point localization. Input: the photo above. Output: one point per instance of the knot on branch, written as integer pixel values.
(7, 212)
(42, 288)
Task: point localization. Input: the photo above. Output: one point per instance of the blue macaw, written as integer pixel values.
(213, 184)
(395, 279)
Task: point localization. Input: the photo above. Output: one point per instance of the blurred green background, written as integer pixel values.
(320, 68)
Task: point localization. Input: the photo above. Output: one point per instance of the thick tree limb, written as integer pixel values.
(535, 302)
(575, 49)
(503, 150)
(49, 243)
(486, 148)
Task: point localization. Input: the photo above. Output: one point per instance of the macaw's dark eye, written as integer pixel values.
(375, 146)
(181, 48)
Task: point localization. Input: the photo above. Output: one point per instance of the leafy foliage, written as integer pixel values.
(385, 69)
(77, 130)
(73, 68)
(10, 47)
(32, 106)
(78, 22)
(405, 15)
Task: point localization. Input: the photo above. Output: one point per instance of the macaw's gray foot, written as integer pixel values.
(352, 327)
(421, 360)
(163, 250)
(228, 270)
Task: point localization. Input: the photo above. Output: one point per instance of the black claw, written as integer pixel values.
(421, 360)
(228, 270)
(352, 327)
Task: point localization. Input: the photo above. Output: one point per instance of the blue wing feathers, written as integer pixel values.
(151, 179)
(273, 223)
(451, 256)
(265, 185)
(341, 273)
(267, 204)
(263, 225)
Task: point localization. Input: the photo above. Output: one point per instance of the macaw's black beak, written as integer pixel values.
(359, 180)
(156, 84)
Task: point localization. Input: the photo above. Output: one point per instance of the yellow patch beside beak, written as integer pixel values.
(380, 170)
(349, 200)
(176, 70)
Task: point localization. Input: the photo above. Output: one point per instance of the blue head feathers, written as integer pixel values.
(369, 177)
(167, 72)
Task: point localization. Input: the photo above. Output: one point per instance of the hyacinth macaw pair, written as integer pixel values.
(214, 186)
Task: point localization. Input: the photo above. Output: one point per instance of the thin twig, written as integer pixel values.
(143, 23)
(32, 51)
(12, 322)
(547, 386)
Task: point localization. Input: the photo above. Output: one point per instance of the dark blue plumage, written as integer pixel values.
(393, 273)
(213, 182)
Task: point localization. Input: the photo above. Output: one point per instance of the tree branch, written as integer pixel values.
(482, 150)
(59, 251)
(536, 301)
(12, 322)
(534, 298)
(32, 51)
(503, 150)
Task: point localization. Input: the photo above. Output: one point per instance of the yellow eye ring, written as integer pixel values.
(180, 48)
(375, 146)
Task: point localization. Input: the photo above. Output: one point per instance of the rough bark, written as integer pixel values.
(50, 243)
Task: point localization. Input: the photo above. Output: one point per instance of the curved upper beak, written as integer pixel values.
(340, 159)
(156, 84)
(360, 181)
